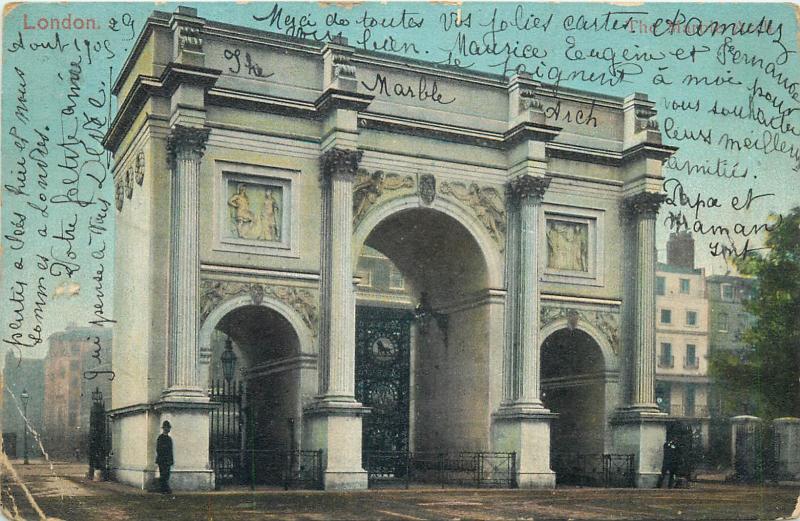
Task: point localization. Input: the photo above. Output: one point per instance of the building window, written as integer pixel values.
(691, 361)
(685, 286)
(661, 286)
(666, 316)
(663, 392)
(396, 279)
(727, 292)
(688, 400)
(691, 318)
(723, 322)
(665, 358)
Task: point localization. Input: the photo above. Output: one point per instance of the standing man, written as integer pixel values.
(669, 463)
(164, 458)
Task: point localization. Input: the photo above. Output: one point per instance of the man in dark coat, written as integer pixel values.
(670, 462)
(164, 458)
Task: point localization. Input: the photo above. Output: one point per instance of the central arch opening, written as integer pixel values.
(424, 332)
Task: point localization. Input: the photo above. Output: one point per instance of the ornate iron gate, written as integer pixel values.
(383, 338)
(226, 441)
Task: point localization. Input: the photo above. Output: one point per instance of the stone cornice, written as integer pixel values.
(339, 162)
(146, 87)
(648, 151)
(333, 99)
(645, 204)
(528, 131)
(525, 186)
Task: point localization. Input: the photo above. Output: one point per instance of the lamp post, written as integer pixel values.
(228, 359)
(25, 397)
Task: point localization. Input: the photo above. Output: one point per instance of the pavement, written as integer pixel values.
(61, 492)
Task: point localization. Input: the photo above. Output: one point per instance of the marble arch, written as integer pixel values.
(293, 145)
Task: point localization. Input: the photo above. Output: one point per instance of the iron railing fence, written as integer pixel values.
(286, 468)
(594, 470)
(469, 469)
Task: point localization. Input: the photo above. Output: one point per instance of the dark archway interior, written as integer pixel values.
(573, 386)
(265, 343)
(260, 333)
(434, 252)
(450, 367)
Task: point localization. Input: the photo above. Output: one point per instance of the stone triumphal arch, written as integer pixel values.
(523, 247)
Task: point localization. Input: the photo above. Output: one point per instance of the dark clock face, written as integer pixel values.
(383, 349)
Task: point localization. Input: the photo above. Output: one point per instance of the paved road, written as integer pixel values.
(63, 494)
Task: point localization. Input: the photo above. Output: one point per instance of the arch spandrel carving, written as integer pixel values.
(302, 301)
(485, 202)
(370, 188)
(603, 326)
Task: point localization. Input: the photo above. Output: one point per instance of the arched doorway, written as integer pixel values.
(258, 399)
(574, 386)
(424, 358)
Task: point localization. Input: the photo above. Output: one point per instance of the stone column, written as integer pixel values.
(522, 424)
(526, 192)
(333, 420)
(639, 427)
(185, 146)
(337, 367)
(643, 208)
(184, 402)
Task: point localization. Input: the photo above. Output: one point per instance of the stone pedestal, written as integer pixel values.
(746, 448)
(642, 434)
(190, 428)
(526, 433)
(335, 428)
(134, 455)
(787, 441)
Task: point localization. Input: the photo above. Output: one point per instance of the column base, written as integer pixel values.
(190, 433)
(641, 431)
(184, 394)
(139, 478)
(525, 430)
(335, 428)
(191, 479)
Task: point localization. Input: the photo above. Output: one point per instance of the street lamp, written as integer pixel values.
(228, 359)
(25, 397)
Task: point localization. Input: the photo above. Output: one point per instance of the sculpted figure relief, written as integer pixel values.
(567, 245)
(369, 187)
(485, 202)
(257, 218)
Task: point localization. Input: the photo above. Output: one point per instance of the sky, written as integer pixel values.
(715, 94)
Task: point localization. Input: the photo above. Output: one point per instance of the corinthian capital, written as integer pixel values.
(186, 142)
(338, 162)
(525, 186)
(644, 204)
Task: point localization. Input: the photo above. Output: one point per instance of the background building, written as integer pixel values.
(22, 374)
(77, 363)
(728, 320)
(682, 380)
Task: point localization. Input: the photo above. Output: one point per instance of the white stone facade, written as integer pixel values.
(254, 195)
